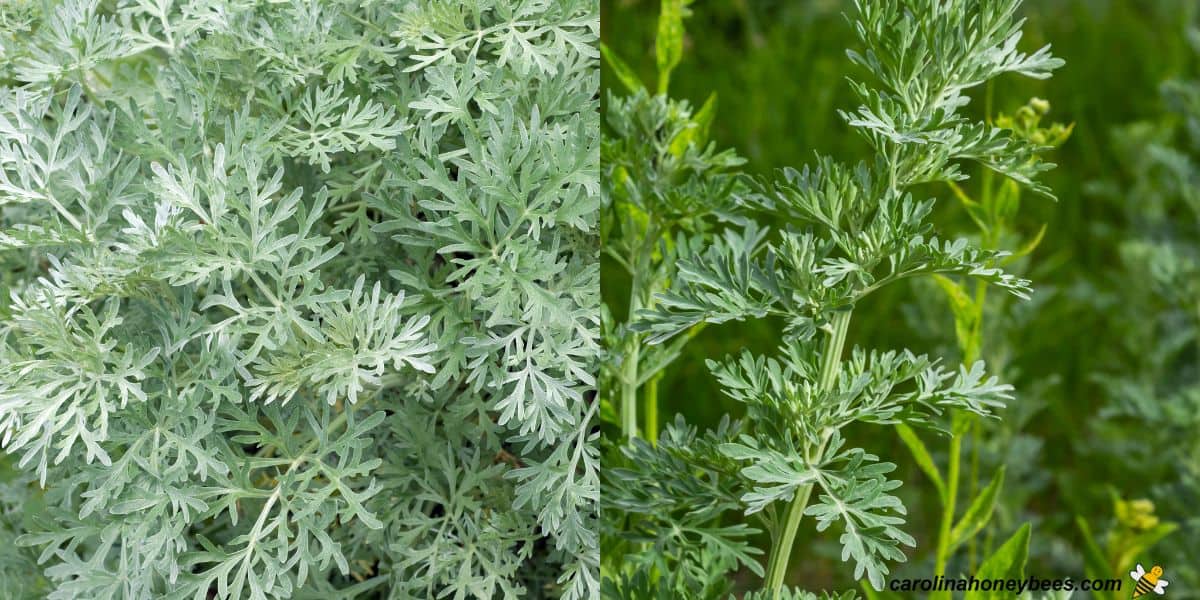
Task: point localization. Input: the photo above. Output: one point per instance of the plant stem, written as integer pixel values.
(831, 361)
(650, 410)
(639, 293)
(952, 470)
(966, 425)
(974, 347)
(976, 434)
(629, 376)
(629, 370)
(781, 551)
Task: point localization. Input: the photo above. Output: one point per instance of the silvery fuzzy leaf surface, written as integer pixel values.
(299, 299)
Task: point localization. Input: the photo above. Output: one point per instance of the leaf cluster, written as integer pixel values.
(300, 299)
(848, 231)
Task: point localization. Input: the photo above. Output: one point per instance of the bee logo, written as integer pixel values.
(1147, 582)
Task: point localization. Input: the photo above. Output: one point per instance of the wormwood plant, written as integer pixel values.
(665, 187)
(300, 299)
(853, 229)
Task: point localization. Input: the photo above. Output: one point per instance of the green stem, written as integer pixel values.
(629, 370)
(780, 555)
(943, 545)
(973, 352)
(965, 425)
(831, 362)
(639, 293)
(781, 550)
(976, 434)
(629, 377)
(650, 410)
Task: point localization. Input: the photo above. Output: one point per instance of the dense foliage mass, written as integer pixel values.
(298, 299)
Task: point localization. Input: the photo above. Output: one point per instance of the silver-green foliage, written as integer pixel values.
(851, 229)
(300, 298)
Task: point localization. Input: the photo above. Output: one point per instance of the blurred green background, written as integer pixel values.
(779, 68)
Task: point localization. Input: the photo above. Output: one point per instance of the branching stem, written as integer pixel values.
(630, 368)
(831, 362)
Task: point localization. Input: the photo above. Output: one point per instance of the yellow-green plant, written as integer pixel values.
(1135, 530)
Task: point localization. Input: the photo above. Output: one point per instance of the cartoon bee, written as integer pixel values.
(1148, 581)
